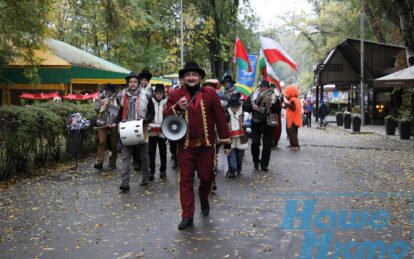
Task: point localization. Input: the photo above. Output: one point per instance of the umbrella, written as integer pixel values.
(402, 78)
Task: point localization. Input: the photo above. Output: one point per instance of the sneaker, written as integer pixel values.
(265, 169)
(295, 148)
(232, 174)
(98, 166)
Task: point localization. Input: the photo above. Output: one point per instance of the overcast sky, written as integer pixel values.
(271, 11)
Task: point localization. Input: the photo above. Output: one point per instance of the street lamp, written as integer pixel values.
(181, 34)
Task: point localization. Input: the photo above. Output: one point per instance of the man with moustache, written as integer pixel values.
(201, 108)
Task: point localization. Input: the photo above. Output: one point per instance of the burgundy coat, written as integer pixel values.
(203, 116)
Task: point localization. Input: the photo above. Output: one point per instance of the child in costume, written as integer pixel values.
(156, 138)
(235, 119)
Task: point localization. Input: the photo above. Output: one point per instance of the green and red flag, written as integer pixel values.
(267, 70)
(240, 54)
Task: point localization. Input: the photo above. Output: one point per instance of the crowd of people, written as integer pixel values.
(218, 117)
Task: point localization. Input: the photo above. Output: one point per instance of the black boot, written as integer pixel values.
(205, 209)
(124, 187)
(174, 164)
(145, 180)
(98, 166)
(185, 223)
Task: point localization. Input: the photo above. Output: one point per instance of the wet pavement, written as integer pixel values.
(334, 177)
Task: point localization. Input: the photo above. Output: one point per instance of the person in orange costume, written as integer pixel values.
(293, 115)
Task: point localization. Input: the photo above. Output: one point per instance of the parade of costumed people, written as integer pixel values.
(206, 129)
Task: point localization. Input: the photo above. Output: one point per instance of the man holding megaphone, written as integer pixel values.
(201, 109)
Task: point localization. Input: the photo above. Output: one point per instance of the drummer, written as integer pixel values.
(159, 100)
(136, 104)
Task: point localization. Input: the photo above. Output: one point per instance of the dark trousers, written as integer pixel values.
(200, 159)
(309, 119)
(152, 151)
(293, 132)
(173, 149)
(136, 159)
(261, 132)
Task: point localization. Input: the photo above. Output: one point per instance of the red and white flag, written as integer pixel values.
(274, 52)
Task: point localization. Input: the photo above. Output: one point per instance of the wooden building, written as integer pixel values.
(342, 67)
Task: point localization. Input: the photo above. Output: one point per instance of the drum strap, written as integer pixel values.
(125, 107)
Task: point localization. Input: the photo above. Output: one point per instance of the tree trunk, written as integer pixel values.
(376, 24)
(406, 14)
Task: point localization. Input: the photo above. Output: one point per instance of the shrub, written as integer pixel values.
(36, 134)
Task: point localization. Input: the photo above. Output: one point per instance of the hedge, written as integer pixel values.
(36, 135)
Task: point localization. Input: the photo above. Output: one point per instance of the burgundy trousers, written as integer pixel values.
(200, 159)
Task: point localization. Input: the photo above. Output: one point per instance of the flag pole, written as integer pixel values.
(181, 34)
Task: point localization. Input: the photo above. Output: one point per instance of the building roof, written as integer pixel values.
(64, 63)
(342, 64)
(81, 58)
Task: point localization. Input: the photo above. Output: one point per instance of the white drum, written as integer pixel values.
(133, 132)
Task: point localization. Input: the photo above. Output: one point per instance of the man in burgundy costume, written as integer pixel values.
(201, 108)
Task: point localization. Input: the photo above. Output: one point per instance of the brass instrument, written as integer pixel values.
(100, 121)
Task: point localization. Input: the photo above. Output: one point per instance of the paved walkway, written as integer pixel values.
(369, 129)
(79, 213)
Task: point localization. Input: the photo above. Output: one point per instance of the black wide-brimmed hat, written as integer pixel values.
(227, 78)
(131, 75)
(234, 100)
(110, 87)
(159, 88)
(192, 67)
(145, 74)
(264, 83)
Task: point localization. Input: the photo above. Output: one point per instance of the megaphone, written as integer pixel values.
(174, 127)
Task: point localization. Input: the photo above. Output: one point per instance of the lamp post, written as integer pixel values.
(181, 34)
(362, 63)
